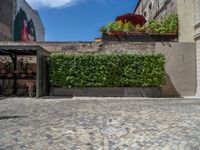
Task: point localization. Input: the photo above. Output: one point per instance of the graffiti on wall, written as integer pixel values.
(24, 29)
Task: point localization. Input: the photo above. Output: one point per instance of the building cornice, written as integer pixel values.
(197, 25)
(197, 36)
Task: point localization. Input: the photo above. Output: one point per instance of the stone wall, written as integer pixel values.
(186, 16)
(91, 47)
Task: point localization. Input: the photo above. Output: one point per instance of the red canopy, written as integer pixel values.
(135, 19)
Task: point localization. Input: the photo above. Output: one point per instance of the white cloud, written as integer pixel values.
(50, 3)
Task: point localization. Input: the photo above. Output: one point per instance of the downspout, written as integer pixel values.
(13, 18)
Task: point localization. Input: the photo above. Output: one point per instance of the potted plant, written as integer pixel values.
(9, 75)
(115, 28)
(109, 29)
(103, 30)
(29, 71)
(128, 27)
(17, 72)
(153, 27)
(23, 75)
(137, 30)
(118, 27)
(167, 26)
(170, 24)
(3, 71)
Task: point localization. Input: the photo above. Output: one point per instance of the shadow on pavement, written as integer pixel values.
(10, 117)
(2, 98)
(57, 97)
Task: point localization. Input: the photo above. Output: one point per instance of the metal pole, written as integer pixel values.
(15, 76)
(14, 60)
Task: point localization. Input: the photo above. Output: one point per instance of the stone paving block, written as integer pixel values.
(130, 124)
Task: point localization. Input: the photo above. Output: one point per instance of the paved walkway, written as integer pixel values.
(109, 124)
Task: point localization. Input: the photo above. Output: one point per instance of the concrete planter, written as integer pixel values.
(108, 92)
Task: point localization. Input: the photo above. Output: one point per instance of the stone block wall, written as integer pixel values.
(91, 47)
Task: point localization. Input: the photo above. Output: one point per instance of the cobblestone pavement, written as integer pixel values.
(97, 124)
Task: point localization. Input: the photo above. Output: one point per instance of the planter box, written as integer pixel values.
(116, 33)
(140, 38)
(136, 32)
(151, 32)
(170, 33)
(108, 92)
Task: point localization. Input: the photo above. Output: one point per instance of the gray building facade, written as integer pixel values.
(197, 39)
(6, 19)
(19, 22)
(156, 9)
(189, 23)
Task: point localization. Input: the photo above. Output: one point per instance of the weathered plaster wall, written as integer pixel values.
(186, 16)
(180, 68)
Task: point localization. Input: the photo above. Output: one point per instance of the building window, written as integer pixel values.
(145, 14)
(150, 6)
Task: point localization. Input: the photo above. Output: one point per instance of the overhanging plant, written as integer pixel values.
(168, 25)
(118, 27)
(128, 27)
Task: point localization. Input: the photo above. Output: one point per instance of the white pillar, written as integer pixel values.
(197, 39)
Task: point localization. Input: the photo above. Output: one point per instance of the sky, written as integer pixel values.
(78, 20)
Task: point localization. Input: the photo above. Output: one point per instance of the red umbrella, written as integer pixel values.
(135, 19)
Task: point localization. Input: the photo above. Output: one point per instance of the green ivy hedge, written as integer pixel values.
(107, 70)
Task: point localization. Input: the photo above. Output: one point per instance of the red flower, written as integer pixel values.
(9, 75)
(3, 71)
(23, 75)
(135, 19)
(30, 71)
(16, 71)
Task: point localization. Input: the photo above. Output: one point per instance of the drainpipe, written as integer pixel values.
(13, 17)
